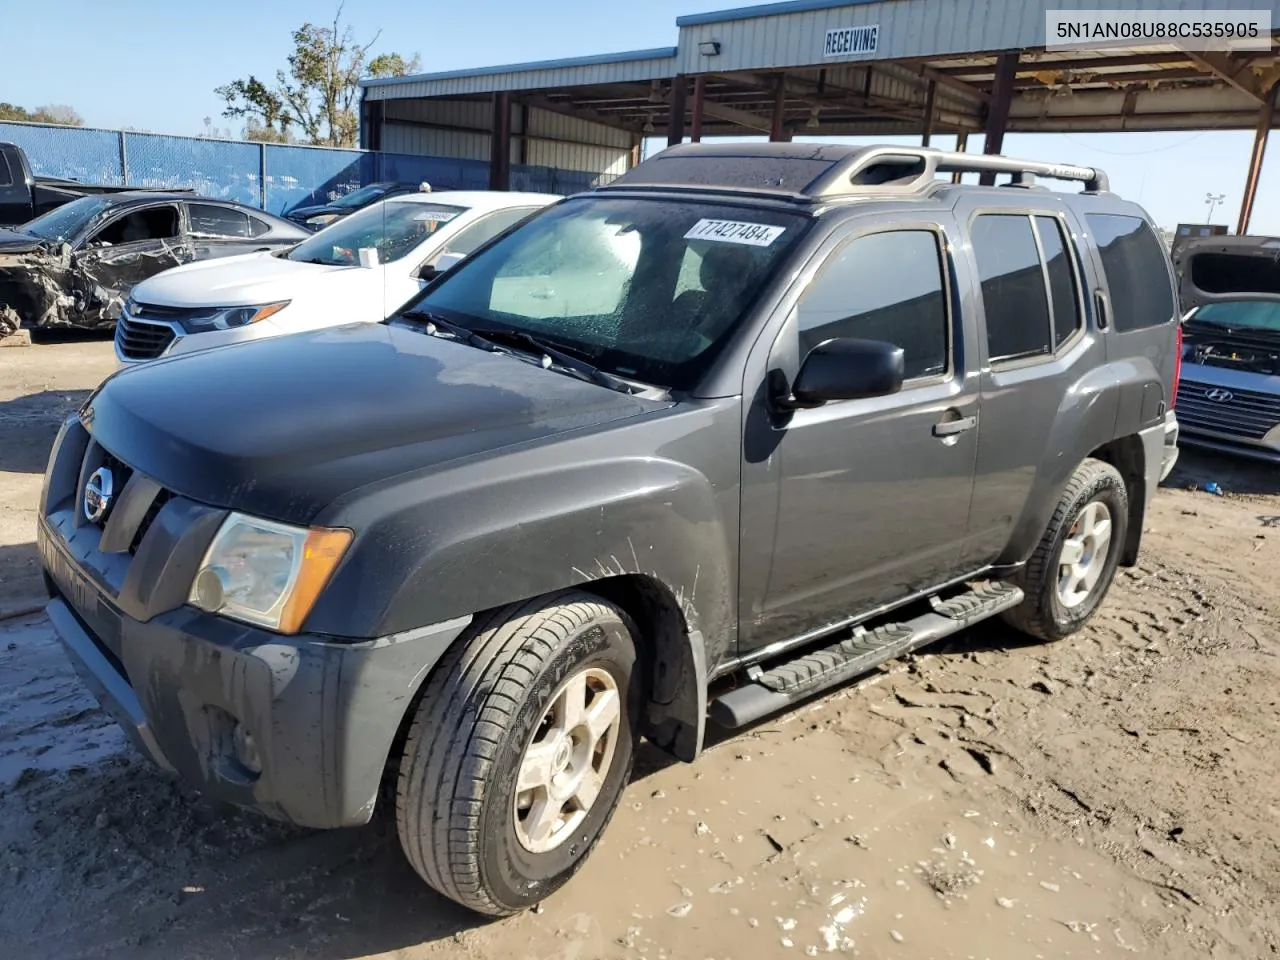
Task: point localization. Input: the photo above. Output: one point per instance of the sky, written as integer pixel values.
(153, 65)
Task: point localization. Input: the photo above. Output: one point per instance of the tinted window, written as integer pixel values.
(482, 231)
(153, 223)
(887, 286)
(212, 221)
(1137, 275)
(6, 178)
(1013, 292)
(258, 227)
(1062, 284)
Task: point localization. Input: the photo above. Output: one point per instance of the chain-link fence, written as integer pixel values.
(272, 176)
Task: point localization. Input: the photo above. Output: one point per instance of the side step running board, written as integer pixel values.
(790, 682)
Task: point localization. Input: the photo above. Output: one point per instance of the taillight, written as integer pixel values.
(1177, 366)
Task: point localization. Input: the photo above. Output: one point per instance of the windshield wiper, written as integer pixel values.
(487, 339)
(567, 360)
(455, 330)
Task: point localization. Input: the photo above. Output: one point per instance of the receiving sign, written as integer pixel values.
(735, 231)
(848, 41)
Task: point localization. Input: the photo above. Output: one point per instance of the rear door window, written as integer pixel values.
(210, 220)
(1013, 288)
(6, 177)
(1134, 262)
(1063, 293)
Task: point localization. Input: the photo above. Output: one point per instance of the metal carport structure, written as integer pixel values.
(914, 67)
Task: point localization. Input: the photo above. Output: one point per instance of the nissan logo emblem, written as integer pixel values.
(97, 495)
(1219, 395)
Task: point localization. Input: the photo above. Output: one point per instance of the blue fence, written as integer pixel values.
(272, 176)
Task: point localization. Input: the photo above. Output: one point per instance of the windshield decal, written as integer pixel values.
(735, 231)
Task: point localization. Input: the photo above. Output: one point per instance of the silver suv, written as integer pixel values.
(1229, 394)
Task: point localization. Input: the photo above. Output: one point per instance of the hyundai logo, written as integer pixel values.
(1219, 395)
(97, 495)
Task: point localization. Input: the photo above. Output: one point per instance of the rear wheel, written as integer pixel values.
(1072, 568)
(519, 752)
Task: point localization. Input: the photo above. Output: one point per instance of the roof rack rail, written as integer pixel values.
(891, 169)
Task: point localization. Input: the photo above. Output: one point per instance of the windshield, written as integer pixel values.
(358, 198)
(1242, 315)
(646, 289)
(393, 227)
(64, 222)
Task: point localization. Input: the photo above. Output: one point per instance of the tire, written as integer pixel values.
(1045, 613)
(491, 697)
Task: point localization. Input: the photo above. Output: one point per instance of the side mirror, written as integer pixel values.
(847, 369)
(443, 264)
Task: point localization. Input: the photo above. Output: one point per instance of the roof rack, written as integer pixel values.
(892, 169)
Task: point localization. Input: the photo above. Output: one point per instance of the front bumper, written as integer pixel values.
(321, 712)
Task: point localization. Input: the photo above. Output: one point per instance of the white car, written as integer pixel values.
(361, 268)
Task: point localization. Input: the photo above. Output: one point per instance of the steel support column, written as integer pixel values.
(524, 133)
(679, 94)
(699, 95)
(929, 112)
(998, 108)
(500, 143)
(777, 129)
(962, 144)
(1265, 117)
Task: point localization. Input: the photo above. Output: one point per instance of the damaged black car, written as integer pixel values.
(75, 265)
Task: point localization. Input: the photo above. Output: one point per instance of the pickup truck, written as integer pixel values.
(25, 196)
(695, 446)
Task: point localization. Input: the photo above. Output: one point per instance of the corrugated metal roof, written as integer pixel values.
(621, 67)
(765, 10)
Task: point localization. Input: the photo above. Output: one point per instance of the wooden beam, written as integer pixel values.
(1229, 70)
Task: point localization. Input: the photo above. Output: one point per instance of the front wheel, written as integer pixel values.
(1073, 566)
(519, 752)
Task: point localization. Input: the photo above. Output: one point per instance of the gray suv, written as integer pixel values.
(1229, 392)
(701, 444)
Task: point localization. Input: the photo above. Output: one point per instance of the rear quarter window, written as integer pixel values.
(1136, 268)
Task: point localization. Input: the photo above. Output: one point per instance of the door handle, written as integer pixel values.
(949, 428)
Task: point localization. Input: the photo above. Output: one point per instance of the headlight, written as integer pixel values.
(267, 573)
(228, 318)
(321, 219)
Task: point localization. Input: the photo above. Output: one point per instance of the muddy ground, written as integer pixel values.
(1110, 796)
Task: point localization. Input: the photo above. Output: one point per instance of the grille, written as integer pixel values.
(1248, 414)
(163, 497)
(156, 311)
(139, 340)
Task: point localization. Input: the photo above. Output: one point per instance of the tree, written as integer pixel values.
(317, 93)
(53, 113)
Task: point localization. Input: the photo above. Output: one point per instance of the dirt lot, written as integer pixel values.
(1108, 796)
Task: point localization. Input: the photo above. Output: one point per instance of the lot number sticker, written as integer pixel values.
(735, 231)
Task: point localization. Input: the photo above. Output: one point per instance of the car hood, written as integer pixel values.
(238, 281)
(280, 428)
(1215, 269)
(15, 241)
(301, 213)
